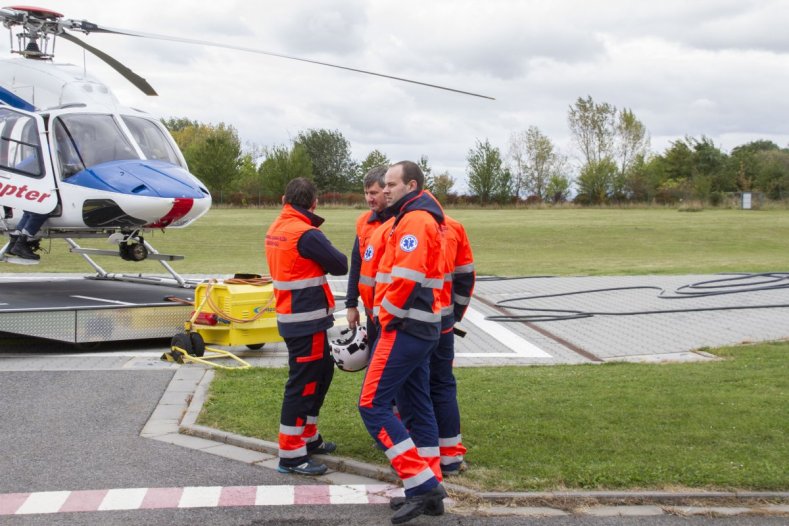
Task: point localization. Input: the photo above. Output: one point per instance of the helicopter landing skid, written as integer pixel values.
(100, 252)
(177, 279)
(18, 261)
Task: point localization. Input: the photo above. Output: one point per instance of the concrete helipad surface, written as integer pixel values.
(594, 319)
(626, 318)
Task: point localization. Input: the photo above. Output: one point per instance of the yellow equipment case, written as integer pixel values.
(237, 311)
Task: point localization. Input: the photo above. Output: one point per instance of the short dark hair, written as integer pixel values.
(412, 172)
(375, 175)
(300, 192)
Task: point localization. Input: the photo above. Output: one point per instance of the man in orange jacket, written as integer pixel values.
(299, 256)
(409, 281)
(364, 264)
(455, 296)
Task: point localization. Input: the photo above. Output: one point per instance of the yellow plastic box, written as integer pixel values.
(241, 302)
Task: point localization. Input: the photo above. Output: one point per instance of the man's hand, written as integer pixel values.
(353, 317)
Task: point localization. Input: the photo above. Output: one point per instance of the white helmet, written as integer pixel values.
(350, 351)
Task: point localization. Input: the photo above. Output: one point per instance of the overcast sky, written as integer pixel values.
(718, 68)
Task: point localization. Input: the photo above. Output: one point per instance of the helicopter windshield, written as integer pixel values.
(85, 140)
(151, 138)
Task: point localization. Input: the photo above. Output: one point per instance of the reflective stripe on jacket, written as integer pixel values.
(460, 278)
(371, 258)
(304, 301)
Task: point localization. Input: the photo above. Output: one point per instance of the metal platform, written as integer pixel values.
(82, 310)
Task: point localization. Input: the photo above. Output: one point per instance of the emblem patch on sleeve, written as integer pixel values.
(408, 243)
(368, 253)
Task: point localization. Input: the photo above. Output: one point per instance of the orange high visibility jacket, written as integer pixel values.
(366, 224)
(371, 258)
(411, 272)
(460, 278)
(304, 300)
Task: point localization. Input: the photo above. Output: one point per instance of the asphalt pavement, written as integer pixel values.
(108, 436)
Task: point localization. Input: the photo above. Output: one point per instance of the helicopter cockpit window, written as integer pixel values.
(67, 156)
(20, 149)
(152, 140)
(93, 139)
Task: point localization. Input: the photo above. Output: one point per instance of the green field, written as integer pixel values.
(506, 242)
(713, 425)
(709, 425)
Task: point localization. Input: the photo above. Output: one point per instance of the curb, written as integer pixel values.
(621, 502)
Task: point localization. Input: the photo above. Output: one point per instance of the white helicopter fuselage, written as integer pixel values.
(69, 150)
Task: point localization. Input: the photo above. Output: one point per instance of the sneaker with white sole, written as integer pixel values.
(310, 467)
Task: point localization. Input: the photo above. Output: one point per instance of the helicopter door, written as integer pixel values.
(27, 180)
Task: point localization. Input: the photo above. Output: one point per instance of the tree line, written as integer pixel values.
(255, 176)
(613, 164)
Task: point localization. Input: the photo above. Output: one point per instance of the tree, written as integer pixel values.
(632, 140)
(175, 124)
(330, 153)
(772, 172)
(424, 165)
(557, 189)
(281, 166)
(442, 186)
(213, 153)
(250, 182)
(643, 178)
(535, 162)
(593, 128)
(604, 134)
(708, 174)
(487, 178)
(595, 182)
(743, 164)
(373, 159)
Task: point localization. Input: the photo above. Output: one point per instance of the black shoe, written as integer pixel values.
(22, 249)
(325, 448)
(417, 505)
(310, 467)
(452, 470)
(432, 508)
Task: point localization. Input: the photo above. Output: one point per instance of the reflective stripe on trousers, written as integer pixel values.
(399, 364)
(310, 373)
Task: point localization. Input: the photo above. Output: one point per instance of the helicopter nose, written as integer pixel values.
(181, 207)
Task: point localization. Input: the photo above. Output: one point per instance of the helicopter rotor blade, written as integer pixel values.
(88, 27)
(130, 75)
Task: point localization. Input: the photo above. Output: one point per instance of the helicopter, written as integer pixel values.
(71, 151)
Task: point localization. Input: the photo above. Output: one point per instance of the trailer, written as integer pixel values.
(88, 310)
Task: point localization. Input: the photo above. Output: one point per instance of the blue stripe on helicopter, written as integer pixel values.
(15, 101)
(138, 177)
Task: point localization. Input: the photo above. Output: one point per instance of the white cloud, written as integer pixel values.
(715, 68)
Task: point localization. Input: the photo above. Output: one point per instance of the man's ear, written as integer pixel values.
(314, 205)
(283, 199)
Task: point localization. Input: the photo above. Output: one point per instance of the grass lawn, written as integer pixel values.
(722, 424)
(506, 242)
(715, 425)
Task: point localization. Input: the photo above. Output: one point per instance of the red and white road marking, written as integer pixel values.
(193, 497)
